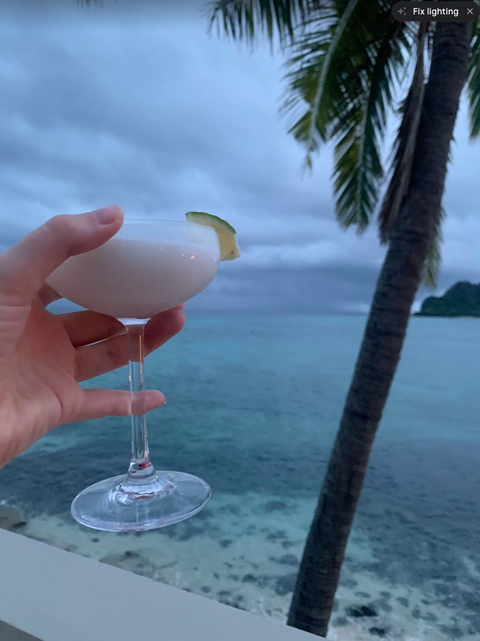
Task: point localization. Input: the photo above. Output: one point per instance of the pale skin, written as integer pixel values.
(44, 356)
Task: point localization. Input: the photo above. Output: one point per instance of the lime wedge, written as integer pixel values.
(227, 235)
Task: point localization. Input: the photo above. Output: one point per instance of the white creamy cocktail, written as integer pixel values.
(132, 277)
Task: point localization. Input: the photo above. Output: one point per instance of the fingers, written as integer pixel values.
(89, 327)
(98, 403)
(110, 354)
(47, 295)
(24, 267)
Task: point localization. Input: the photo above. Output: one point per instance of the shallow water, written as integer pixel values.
(253, 406)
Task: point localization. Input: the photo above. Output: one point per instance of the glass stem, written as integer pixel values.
(141, 468)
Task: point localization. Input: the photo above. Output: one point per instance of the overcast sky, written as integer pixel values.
(151, 113)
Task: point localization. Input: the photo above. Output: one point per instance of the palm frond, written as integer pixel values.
(433, 262)
(344, 68)
(473, 85)
(358, 165)
(411, 111)
(243, 19)
(305, 65)
(316, 63)
(326, 67)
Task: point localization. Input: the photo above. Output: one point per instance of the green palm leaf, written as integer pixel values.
(473, 85)
(242, 19)
(344, 68)
(321, 62)
(358, 169)
(306, 63)
(326, 69)
(404, 148)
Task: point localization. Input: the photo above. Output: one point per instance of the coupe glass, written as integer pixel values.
(149, 267)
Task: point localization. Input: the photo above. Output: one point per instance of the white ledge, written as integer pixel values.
(55, 595)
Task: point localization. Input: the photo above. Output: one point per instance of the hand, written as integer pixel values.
(43, 356)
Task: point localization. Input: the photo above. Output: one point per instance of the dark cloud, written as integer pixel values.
(136, 104)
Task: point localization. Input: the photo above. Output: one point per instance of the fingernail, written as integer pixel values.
(108, 215)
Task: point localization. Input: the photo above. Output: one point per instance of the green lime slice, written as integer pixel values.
(227, 235)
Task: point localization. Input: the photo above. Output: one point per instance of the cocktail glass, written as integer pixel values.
(148, 267)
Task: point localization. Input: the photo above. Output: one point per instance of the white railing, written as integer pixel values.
(55, 595)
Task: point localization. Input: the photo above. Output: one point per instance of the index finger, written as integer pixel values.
(25, 266)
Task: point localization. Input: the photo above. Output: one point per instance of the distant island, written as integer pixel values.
(462, 299)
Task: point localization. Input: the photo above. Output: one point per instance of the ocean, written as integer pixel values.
(253, 404)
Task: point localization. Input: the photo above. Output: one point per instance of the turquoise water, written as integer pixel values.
(253, 406)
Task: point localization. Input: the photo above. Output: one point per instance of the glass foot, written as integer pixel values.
(119, 504)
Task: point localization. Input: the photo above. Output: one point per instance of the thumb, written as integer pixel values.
(25, 266)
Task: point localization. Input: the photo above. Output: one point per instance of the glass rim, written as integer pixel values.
(175, 226)
(130, 221)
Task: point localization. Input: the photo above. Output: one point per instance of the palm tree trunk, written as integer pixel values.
(384, 335)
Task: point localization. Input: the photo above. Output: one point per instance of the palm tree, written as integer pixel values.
(347, 59)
